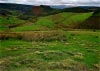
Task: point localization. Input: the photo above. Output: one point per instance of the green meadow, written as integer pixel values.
(80, 52)
(53, 42)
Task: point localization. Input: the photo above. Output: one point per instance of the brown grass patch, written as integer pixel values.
(35, 35)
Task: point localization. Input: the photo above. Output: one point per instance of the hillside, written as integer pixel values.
(45, 18)
(42, 38)
(64, 21)
(92, 22)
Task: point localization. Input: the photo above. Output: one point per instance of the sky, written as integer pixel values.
(67, 3)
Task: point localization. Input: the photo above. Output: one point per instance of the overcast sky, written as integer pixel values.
(55, 2)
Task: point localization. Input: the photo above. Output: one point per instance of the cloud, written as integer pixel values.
(55, 2)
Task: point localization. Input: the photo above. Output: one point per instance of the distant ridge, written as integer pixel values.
(18, 7)
(74, 17)
(29, 10)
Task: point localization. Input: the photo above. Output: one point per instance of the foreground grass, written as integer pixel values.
(79, 53)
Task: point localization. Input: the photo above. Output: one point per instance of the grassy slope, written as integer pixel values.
(81, 50)
(7, 21)
(51, 21)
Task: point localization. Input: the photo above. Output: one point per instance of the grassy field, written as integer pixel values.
(80, 52)
(52, 42)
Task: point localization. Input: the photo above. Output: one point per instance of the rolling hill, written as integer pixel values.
(41, 38)
(24, 18)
